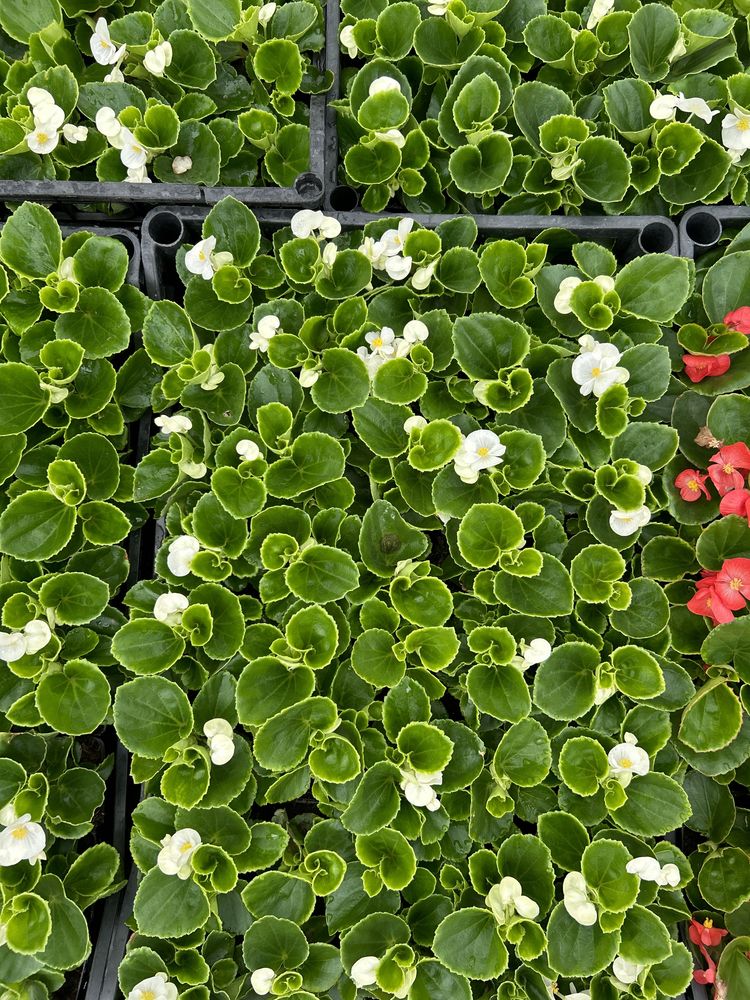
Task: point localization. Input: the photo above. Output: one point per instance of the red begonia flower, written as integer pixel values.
(691, 484)
(729, 466)
(738, 319)
(700, 366)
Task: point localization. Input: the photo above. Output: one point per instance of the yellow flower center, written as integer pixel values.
(596, 371)
(482, 452)
(736, 583)
(743, 124)
(42, 136)
(708, 924)
(728, 468)
(148, 995)
(20, 833)
(378, 342)
(626, 762)
(184, 848)
(693, 485)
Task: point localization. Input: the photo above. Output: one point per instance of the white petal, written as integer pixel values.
(261, 980)
(364, 971)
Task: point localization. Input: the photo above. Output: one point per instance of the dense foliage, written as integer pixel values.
(200, 92)
(521, 106)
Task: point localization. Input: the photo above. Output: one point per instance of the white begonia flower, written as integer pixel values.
(392, 135)
(479, 450)
(103, 49)
(266, 12)
(418, 788)
(247, 450)
(308, 377)
(262, 980)
(564, 293)
(181, 165)
(12, 646)
(415, 423)
(137, 175)
(195, 470)
(346, 37)
(599, 10)
(75, 133)
(49, 116)
(423, 276)
(37, 97)
(438, 7)
(735, 130)
(382, 342)
(169, 607)
(268, 327)
(155, 987)
(577, 901)
(8, 814)
(650, 870)
(115, 76)
(108, 123)
(644, 474)
(364, 971)
(34, 637)
(628, 759)
(415, 331)
(182, 551)
(372, 361)
(42, 140)
(132, 154)
(219, 734)
(397, 267)
(605, 688)
(382, 85)
(176, 852)
(393, 240)
(664, 107)
(506, 900)
(330, 252)
(536, 651)
(375, 252)
(308, 222)
(203, 260)
(22, 840)
(178, 423)
(625, 523)
(596, 370)
(626, 972)
(157, 59)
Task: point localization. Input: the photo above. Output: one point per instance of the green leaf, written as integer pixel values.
(655, 805)
(151, 715)
(35, 526)
(166, 906)
(565, 684)
(147, 646)
(31, 242)
(23, 399)
(74, 699)
(215, 19)
(468, 943)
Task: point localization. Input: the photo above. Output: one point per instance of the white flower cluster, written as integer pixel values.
(627, 760)
(506, 901)
(596, 369)
(21, 840)
(133, 154)
(177, 423)
(384, 344)
(34, 636)
(247, 450)
(220, 735)
(649, 870)
(308, 223)
(479, 450)
(569, 285)
(182, 551)
(176, 852)
(386, 254)
(665, 106)
(418, 789)
(203, 260)
(48, 120)
(735, 125)
(103, 49)
(155, 987)
(169, 608)
(268, 327)
(531, 653)
(157, 59)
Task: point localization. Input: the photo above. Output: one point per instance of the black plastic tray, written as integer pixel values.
(702, 227)
(167, 227)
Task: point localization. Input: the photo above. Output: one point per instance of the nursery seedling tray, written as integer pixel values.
(702, 228)
(306, 192)
(166, 228)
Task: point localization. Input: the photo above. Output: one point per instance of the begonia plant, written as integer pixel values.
(414, 698)
(520, 106)
(191, 92)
